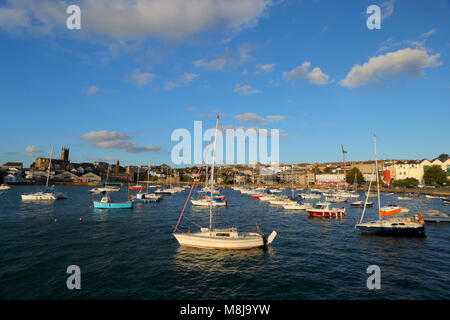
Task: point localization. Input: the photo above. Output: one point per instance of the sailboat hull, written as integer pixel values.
(38, 196)
(392, 230)
(214, 240)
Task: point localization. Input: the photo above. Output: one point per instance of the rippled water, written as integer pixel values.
(132, 254)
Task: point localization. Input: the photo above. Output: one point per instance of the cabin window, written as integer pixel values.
(401, 224)
(222, 234)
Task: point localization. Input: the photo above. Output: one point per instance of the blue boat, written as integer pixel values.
(106, 203)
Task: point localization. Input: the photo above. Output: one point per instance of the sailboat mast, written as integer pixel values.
(212, 176)
(376, 173)
(49, 167)
(148, 175)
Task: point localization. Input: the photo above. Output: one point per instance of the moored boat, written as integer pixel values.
(106, 203)
(213, 238)
(387, 224)
(360, 204)
(323, 210)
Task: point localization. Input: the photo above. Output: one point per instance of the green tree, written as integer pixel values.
(443, 157)
(328, 170)
(408, 182)
(435, 175)
(317, 170)
(350, 176)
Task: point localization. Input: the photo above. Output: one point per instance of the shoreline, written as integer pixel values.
(444, 191)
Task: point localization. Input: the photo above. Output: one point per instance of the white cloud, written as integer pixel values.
(226, 59)
(250, 118)
(123, 19)
(316, 76)
(427, 34)
(141, 79)
(276, 118)
(245, 89)
(404, 62)
(115, 140)
(32, 149)
(183, 79)
(266, 67)
(92, 90)
(254, 118)
(387, 8)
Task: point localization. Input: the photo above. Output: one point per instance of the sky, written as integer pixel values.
(117, 88)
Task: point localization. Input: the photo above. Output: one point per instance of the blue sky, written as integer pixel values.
(117, 88)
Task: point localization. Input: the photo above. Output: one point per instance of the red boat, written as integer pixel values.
(257, 196)
(137, 187)
(323, 210)
(414, 194)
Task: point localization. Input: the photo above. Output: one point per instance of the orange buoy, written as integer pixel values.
(81, 219)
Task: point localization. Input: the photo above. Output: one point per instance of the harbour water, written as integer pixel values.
(132, 254)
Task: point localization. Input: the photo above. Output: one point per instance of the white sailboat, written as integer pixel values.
(147, 196)
(48, 193)
(213, 238)
(386, 224)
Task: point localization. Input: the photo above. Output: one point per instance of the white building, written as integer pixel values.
(407, 169)
(445, 165)
(330, 179)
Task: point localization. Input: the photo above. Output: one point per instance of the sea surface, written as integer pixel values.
(132, 254)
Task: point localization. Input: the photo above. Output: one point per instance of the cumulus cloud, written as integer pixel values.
(115, 140)
(254, 118)
(140, 79)
(123, 19)
(404, 62)
(316, 76)
(245, 89)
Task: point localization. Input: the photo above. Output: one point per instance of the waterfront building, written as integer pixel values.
(10, 165)
(406, 169)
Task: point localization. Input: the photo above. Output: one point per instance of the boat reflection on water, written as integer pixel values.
(222, 261)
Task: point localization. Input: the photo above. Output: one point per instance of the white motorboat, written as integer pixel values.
(4, 187)
(213, 238)
(298, 206)
(310, 196)
(281, 202)
(268, 198)
(39, 196)
(336, 199)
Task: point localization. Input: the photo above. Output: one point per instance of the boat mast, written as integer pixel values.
(148, 175)
(376, 173)
(212, 176)
(49, 167)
